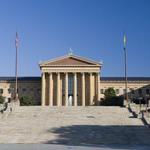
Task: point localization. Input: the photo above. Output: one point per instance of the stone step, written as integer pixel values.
(39, 124)
(81, 110)
(29, 112)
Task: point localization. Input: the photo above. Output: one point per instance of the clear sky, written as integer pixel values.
(92, 28)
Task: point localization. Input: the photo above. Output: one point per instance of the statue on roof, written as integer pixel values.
(70, 51)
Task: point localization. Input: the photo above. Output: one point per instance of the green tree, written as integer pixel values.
(109, 93)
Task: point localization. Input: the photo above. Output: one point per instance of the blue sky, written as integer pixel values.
(92, 28)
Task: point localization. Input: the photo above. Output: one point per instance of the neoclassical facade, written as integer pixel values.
(70, 81)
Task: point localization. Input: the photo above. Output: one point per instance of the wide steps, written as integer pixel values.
(41, 124)
(71, 114)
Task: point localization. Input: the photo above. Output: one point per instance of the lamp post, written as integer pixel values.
(125, 70)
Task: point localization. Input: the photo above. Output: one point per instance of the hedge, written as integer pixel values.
(2, 99)
(113, 101)
(26, 101)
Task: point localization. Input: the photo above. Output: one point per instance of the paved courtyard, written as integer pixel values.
(82, 126)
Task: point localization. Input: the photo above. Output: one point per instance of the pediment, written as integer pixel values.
(70, 60)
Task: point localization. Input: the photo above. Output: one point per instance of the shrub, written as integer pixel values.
(113, 101)
(2, 99)
(110, 92)
(26, 101)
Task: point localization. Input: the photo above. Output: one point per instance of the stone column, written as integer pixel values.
(75, 89)
(91, 89)
(50, 89)
(66, 89)
(98, 86)
(43, 89)
(83, 89)
(58, 90)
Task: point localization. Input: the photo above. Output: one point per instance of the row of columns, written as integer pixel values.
(59, 102)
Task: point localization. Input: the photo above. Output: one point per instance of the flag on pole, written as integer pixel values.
(124, 40)
(17, 40)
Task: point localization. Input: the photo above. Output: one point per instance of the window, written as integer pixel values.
(9, 100)
(31, 90)
(132, 91)
(38, 90)
(147, 91)
(117, 91)
(124, 91)
(9, 90)
(139, 91)
(1, 91)
(102, 91)
(24, 90)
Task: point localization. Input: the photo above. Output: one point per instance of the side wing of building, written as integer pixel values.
(27, 86)
(137, 86)
(31, 86)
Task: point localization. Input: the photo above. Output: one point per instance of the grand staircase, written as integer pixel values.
(102, 115)
(72, 126)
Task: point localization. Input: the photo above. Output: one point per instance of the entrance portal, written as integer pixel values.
(70, 101)
(70, 89)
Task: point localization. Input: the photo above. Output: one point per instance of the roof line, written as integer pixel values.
(69, 56)
(36, 78)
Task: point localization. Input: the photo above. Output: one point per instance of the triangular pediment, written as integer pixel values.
(70, 60)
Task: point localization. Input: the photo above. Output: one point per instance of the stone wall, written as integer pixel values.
(25, 88)
(32, 88)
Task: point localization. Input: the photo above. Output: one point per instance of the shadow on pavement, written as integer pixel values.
(96, 135)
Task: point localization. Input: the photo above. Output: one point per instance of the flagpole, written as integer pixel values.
(125, 71)
(16, 68)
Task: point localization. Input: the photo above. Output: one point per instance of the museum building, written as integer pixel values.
(72, 81)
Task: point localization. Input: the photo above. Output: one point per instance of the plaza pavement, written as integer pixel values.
(64, 147)
(86, 127)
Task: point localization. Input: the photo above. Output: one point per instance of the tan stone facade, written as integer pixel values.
(27, 86)
(32, 87)
(137, 86)
(70, 77)
(72, 80)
